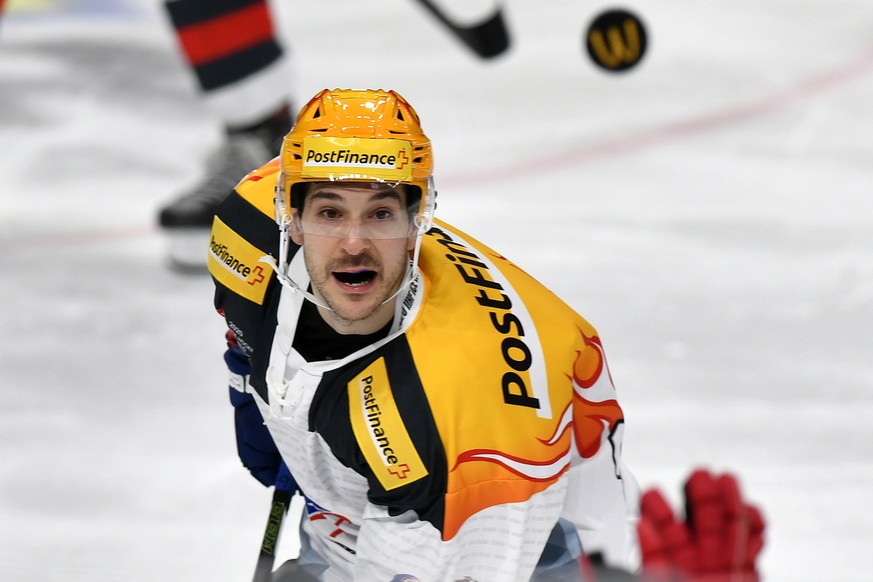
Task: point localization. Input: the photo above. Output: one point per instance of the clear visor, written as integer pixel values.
(373, 216)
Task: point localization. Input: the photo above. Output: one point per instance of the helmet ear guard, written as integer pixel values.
(427, 207)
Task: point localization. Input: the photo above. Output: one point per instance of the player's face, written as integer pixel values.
(355, 239)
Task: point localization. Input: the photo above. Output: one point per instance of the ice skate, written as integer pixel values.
(187, 219)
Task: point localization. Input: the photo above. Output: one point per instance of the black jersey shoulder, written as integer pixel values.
(246, 290)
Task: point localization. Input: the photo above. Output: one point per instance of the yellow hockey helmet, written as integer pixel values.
(359, 136)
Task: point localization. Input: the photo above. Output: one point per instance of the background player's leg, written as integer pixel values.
(245, 78)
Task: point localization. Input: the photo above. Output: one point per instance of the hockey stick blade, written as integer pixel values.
(267, 555)
(487, 39)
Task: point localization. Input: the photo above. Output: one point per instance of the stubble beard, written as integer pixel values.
(378, 296)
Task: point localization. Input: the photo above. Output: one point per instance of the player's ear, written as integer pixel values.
(294, 227)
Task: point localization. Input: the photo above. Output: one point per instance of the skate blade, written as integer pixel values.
(187, 249)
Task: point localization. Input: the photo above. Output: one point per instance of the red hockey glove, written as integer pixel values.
(718, 541)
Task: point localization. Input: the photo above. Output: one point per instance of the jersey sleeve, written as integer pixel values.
(246, 289)
(255, 446)
(603, 496)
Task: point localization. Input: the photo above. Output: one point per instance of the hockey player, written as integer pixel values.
(445, 415)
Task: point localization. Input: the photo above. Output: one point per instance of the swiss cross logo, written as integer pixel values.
(257, 275)
(402, 159)
(400, 471)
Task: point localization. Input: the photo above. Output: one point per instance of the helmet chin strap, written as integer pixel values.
(412, 270)
(280, 267)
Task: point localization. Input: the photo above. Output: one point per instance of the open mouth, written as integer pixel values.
(355, 278)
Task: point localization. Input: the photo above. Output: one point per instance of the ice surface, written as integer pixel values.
(711, 212)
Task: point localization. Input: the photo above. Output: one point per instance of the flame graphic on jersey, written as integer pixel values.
(482, 478)
(593, 415)
(539, 471)
(595, 408)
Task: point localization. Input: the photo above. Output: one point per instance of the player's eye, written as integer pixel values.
(329, 213)
(383, 214)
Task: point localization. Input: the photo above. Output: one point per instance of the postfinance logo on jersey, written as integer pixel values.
(233, 261)
(380, 431)
(354, 158)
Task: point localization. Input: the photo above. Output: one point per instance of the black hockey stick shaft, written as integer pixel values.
(487, 39)
(267, 555)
